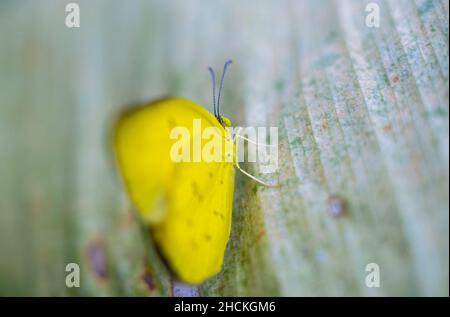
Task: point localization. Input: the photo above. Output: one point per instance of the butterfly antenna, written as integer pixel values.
(221, 85)
(213, 77)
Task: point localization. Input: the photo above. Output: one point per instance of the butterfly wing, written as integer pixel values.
(187, 204)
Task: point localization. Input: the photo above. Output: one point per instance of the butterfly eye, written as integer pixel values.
(225, 121)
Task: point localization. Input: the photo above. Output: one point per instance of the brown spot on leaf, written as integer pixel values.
(127, 218)
(96, 255)
(37, 202)
(395, 78)
(337, 206)
(147, 278)
(261, 234)
(387, 127)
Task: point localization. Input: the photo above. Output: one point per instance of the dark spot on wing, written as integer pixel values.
(207, 237)
(196, 191)
(210, 174)
(218, 214)
(171, 122)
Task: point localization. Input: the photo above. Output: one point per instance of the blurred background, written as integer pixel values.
(363, 122)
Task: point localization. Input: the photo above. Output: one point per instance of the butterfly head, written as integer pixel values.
(224, 121)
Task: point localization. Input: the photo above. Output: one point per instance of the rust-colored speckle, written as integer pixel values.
(395, 78)
(96, 255)
(337, 207)
(261, 234)
(37, 201)
(127, 218)
(387, 127)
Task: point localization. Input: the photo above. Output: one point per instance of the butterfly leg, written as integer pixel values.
(251, 141)
(235, 138)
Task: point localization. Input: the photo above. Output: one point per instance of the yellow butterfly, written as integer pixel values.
(187, 204)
